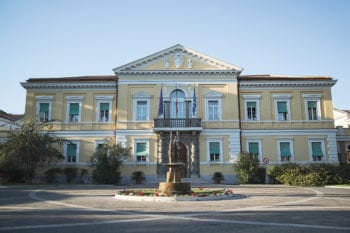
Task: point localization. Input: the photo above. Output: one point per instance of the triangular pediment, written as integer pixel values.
(213, 94)
(176, 58)
(141, 94)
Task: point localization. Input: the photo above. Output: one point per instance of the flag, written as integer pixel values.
(161, 105)
(176, 103)
(194, 103)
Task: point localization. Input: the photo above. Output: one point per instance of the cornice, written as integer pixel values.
(286, 84)
(69, 85)
(177, 72)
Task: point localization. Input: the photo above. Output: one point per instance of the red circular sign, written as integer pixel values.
(266, 160)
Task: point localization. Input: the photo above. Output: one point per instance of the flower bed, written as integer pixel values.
(197, 194)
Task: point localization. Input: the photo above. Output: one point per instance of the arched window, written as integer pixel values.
(177, 104)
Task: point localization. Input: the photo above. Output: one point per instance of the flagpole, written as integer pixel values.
(194, 102)
(161, 104)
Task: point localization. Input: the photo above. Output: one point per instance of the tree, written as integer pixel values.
(247, 168)
(27, 148)
(107, 159)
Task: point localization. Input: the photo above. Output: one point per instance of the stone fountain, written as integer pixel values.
(173, 184)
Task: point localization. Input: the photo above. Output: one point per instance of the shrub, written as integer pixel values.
(51, 174)
(70, 173)
(218, 177)
(28, 148)
(107, 160)
(247, 169)
(310, 175)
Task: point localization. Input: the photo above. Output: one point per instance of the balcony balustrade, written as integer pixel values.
(178, 123)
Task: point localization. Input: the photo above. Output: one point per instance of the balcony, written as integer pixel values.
(179, 124)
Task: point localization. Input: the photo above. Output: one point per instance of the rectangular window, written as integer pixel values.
(73, 112)
(317, 152)
(312, 110)
(213, 110)
(141, 152)
(141, 110)
(285, 151)
(251, 111)
(71, 153)
(282, 110)
(214, 151)
(104, 112)
(44, 112)
(253, 148)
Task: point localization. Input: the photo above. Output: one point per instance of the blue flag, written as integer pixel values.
(194, 103)
(161, 105)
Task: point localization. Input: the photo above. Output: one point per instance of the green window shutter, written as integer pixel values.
(316, 149)
(282, 106)
(74, 109)
(251, 104)
(44, 107)
(104, 106)
(285, 149)
(141, 149)
(71, 150)
(312, 104)
(214, 147)
(253, 148)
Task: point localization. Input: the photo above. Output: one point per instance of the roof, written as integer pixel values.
(11, 117)
(263, 77)
(94, 78)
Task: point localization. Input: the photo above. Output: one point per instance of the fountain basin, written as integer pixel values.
(171, 188)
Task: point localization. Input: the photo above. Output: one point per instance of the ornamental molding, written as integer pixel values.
(142, 95)
(213, 94)
(176, 50)
(73, 85)
(286, 84)
(177, 72)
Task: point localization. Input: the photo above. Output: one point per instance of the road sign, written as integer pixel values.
(266, 160)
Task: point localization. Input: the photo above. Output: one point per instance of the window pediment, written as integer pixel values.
(141, 95)
(213, 94)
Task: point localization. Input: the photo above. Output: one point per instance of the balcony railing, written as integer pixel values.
(178, 123)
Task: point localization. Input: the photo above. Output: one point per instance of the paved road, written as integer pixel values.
(93, 209)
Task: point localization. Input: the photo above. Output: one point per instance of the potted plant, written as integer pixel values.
(138, 176)
(218, 177)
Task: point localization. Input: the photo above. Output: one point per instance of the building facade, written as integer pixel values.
(216, 112)
(342, 123)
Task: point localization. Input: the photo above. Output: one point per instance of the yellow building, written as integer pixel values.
(216, 112)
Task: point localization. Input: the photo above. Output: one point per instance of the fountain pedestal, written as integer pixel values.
(173, 184)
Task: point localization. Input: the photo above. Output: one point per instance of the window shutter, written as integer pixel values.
(74, 109)
(214, 147)
(71, 150)
(251, 104)
(141, 149)
(104, 107)
(44, 107)
(316, 149)
(311, 104)
(254, 148)
(285, 149)
(282, 106)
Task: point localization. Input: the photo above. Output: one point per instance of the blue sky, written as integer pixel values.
(59, 38)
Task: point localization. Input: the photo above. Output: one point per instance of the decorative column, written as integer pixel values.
(195, 171)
